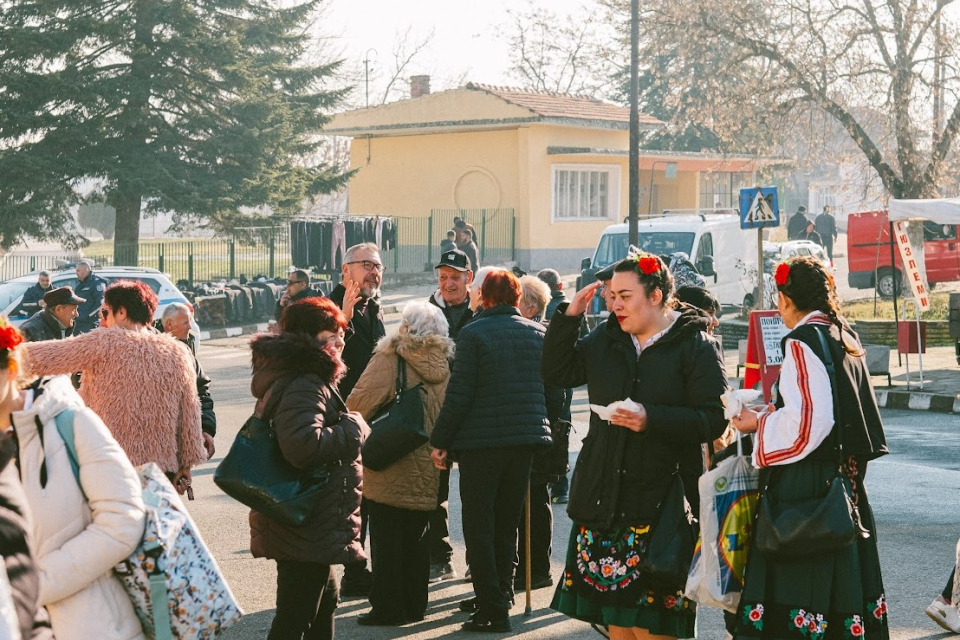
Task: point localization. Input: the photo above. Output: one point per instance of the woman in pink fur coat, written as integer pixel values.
(143, 384)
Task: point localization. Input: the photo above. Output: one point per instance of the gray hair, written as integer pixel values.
(86, 262)
(43, 273)
(551, 277)
(534, 292)
(172, 310)
(424, 319)
(482, 274)
(357, 248)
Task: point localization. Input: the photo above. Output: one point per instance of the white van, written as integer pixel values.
(723, 253)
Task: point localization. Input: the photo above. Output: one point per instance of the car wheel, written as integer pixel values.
(888, 281)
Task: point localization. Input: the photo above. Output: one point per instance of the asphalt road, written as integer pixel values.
(915, 492)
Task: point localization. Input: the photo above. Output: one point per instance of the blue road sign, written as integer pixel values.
(759, 208)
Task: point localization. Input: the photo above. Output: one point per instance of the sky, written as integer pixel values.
(464, 42)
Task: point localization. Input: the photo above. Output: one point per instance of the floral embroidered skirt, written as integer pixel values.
(836, 596)
(602, 584)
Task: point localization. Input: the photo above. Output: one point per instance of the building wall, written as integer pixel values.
(408, 176)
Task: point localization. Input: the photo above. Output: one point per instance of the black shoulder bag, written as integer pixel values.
(397, 430)
(793, 529)
(672, 538)
(256, 473)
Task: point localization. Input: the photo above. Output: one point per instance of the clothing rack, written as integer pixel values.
(319, 242)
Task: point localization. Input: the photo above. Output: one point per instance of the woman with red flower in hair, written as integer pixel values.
(657, 353)
(799, 444)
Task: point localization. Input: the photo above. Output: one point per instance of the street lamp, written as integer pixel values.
(366, 75)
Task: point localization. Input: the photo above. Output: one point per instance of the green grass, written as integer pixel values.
(864, 310)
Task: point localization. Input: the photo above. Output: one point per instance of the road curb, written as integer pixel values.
(918, 401)
(232, 332)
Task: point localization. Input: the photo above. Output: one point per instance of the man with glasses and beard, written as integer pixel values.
(358, 295)
(298, 288)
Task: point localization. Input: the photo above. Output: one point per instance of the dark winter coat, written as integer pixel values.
(43, 326)
(796, 226)
(208, 417)
(495, 398)
(88, 312)
(297, 297)
(32, 297)
(826, 225)
(454, 331)
(363, 332)
(622, 475)
(473, 254)
(16, 549)
(556, 299)
(313, 431)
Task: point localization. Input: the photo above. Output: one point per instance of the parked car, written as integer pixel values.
(868, 253)
(801, 248)
(11, 291)
(724, 255)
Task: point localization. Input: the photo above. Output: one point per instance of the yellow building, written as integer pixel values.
(556, 163)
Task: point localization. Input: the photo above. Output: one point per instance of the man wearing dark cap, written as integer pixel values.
(453, 297)
(454, 276)
(90, 288)
(56, 321)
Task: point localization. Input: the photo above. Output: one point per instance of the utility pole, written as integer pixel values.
(634, 200)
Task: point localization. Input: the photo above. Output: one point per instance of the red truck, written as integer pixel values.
(868, 253)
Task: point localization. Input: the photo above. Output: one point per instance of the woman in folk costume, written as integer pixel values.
(656, 353)
(801, 445)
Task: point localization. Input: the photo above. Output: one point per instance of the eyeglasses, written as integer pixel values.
(292, 282)
(369, 265)
(104, 312)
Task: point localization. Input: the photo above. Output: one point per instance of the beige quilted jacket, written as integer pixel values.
(412, 482)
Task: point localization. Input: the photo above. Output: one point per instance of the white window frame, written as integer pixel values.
(613, 172)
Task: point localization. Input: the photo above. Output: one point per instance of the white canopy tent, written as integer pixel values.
(942, 210)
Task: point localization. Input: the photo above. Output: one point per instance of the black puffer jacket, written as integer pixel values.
(495, 397)
(313, 431)
(363, 333)
(621, 475)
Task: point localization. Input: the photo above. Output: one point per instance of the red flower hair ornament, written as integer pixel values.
(648, 264)
(9, 337)
(782, 274)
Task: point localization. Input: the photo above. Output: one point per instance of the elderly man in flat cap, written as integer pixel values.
(56, 320)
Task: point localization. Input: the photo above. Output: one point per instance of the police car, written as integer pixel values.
(11, 291)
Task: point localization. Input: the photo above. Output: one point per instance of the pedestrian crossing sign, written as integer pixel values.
(759, 208)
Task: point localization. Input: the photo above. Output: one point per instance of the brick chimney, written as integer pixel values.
(419, 86)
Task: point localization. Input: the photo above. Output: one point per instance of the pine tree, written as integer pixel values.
(196, 107)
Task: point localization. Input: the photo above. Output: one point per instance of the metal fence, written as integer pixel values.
(266, 252)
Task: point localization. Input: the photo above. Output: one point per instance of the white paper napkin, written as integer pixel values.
(606, 412)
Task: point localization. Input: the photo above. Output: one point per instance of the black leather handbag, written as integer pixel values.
(256, 473)
(672, 538)
(397, 430)
(798, 528)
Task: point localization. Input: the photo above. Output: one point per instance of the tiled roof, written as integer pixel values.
(549, 104)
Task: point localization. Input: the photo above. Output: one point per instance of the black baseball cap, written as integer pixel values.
(455, 259)
(62, 295)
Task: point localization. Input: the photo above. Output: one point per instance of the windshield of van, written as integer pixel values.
(613, 246)
(10, 292)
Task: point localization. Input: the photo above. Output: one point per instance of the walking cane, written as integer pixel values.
(526, 556)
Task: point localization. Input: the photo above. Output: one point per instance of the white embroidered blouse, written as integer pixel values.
(793, 432)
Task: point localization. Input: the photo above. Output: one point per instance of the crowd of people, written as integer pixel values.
(494, 358)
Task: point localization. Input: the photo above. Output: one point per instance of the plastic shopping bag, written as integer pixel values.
(728, 504)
